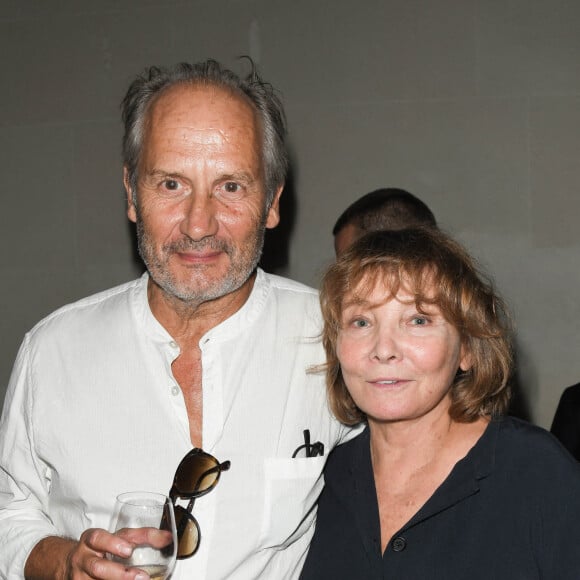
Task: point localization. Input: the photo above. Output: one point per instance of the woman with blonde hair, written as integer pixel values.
(440, 484)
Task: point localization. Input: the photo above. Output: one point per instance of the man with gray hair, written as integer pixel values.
(205, 350)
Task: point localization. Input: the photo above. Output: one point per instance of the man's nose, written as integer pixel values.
(199, 218)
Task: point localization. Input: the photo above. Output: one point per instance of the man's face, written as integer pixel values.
(201, 203)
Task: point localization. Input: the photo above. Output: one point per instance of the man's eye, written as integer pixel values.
(171, 184)
(231, 187)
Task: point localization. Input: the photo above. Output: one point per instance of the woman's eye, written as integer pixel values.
(360, 323)
(419, 320)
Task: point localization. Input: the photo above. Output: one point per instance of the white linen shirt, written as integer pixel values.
(93, 410)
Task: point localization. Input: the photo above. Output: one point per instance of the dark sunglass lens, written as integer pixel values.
(197, 472)
(187, 533)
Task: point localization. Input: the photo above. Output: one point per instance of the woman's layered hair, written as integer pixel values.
(435, 270)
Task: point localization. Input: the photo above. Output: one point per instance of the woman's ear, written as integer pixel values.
(466, 360)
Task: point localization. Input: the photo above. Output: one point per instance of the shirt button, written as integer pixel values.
(173, 344)
(175, 390)
(399, 544)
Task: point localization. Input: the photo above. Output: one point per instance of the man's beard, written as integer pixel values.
(197, 288)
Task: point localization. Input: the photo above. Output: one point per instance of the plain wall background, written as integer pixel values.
(473, 105)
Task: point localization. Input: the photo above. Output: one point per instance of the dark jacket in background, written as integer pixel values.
(566, 424)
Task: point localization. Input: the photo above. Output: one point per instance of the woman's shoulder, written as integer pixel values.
(531, 447)
(346, 456)
(518, 431)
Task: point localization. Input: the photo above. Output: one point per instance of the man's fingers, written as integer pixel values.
(151, 536)
(87, 559)
(102, 569)
(103, 542)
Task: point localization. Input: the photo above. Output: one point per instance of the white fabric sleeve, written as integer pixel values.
(24, 479)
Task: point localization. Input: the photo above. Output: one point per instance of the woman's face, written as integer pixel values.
(398, 363)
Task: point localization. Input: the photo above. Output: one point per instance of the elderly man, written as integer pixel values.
(205, 350)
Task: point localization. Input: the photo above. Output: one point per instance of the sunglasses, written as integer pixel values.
(197, 474)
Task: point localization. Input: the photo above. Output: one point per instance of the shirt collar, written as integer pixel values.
(464, 479)
(142, 312)
(247, 314)
(232, 326)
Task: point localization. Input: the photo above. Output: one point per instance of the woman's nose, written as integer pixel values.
(386, 346)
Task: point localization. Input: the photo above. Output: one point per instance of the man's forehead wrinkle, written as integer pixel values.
(199, 130)
(195, 114)
(182, 100)
(204, 135)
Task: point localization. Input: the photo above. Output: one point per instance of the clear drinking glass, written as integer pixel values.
(147, 520)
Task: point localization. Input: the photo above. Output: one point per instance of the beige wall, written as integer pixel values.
(474, 105)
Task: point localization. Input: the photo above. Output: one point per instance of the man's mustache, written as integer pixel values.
(189, 245)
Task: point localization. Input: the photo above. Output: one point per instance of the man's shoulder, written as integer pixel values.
(281, 284)
(288, 297)
(82, 310)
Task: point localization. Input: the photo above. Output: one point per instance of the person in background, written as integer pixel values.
(440, 484)
(566, 423)
(383, 209)
(205, 350)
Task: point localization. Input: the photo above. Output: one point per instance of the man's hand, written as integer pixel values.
(62, 559)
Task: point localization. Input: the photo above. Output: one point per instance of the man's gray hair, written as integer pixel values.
(261, 95)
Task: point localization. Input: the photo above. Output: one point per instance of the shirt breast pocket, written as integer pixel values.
(292, 487)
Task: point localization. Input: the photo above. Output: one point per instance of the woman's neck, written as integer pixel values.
(411, 459)
(406, 447)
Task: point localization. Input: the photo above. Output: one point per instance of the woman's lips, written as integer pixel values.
(388, 382)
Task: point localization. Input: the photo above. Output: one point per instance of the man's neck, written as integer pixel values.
(188, 321)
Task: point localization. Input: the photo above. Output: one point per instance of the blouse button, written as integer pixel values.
(175, 390)
(399, 544)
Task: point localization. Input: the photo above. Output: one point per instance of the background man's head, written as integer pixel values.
(383, 209)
